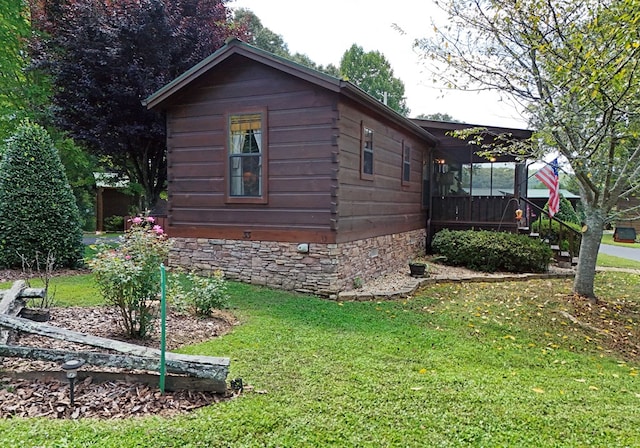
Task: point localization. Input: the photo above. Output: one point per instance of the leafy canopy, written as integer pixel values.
(368, 70)
(23, 91)
(107, 56)
(372, 73)
(266, 39)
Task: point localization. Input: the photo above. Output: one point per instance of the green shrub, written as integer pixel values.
(559, 235)
(128, 276)
(198, 294)
(566, 212)
(38, 212)
(492, 251)
(114, 223)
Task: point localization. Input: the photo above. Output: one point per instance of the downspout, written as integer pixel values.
(429, 167)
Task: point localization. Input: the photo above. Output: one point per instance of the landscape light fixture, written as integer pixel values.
(71, 368)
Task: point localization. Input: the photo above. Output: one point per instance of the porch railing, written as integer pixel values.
(494, 209)
(498, 212)
(567, 239)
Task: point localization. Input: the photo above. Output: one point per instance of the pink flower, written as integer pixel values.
(151, 219)
(137, 220)
(158, 229)
(128, 257)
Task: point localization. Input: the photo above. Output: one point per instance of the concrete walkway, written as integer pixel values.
(630, 253)
(409, 285)
(99, 239)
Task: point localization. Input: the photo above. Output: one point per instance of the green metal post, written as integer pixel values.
(163, 325)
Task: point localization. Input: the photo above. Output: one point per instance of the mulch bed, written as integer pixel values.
(108, 400)
(49, 397)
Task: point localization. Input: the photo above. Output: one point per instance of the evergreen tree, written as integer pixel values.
(38, 213)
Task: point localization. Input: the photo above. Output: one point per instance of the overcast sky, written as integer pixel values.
(325, 29)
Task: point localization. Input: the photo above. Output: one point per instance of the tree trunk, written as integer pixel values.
(211, 376)
(201, 366)
(586, 271)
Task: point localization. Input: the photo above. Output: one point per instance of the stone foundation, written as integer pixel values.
(326, 269)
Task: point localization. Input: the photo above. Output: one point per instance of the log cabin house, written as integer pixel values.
(284, 176)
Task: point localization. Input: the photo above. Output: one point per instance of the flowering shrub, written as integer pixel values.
(201, 295)
(129, 276)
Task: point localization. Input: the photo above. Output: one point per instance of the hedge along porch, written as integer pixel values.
(268, 159)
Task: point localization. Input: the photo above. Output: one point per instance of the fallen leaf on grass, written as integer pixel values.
(538, 390)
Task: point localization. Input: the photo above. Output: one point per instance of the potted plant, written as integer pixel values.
(418, 268)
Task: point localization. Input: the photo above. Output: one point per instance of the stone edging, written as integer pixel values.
(414, 283)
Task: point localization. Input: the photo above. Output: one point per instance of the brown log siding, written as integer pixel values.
(383, 205)
(301, 136)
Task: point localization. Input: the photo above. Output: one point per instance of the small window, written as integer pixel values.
(406, 164)
(366, 168)
(246, 157)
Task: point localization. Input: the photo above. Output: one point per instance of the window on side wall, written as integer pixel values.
(406, 164)
(366, 157)
(246, 158)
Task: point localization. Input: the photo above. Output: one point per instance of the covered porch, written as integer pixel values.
(462, 190)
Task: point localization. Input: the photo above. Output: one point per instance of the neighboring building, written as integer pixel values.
(629, 209)
(113, 202)
(284, 176)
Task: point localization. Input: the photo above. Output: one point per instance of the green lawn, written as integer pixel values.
(617, 262)
(475, 364)
(605, 260)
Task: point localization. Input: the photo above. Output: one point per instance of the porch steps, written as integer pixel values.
(562, 257)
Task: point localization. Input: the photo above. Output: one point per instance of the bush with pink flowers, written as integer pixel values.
(128, 276)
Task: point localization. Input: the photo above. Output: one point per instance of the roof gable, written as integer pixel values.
(158, 99)
(233, 47)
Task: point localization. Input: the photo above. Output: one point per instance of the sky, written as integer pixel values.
(325, 29)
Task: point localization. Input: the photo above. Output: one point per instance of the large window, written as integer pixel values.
(366, 162)
(492, 179)
(246, 164)
(478, 179)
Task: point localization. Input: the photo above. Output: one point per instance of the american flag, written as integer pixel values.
(548, 175)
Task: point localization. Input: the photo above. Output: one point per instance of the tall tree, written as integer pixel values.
(439, 116)
(372, 73)
(265, 39)
(107, 56)
(13, 31)
(259, 35)
(573, 65)
(23, 92)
